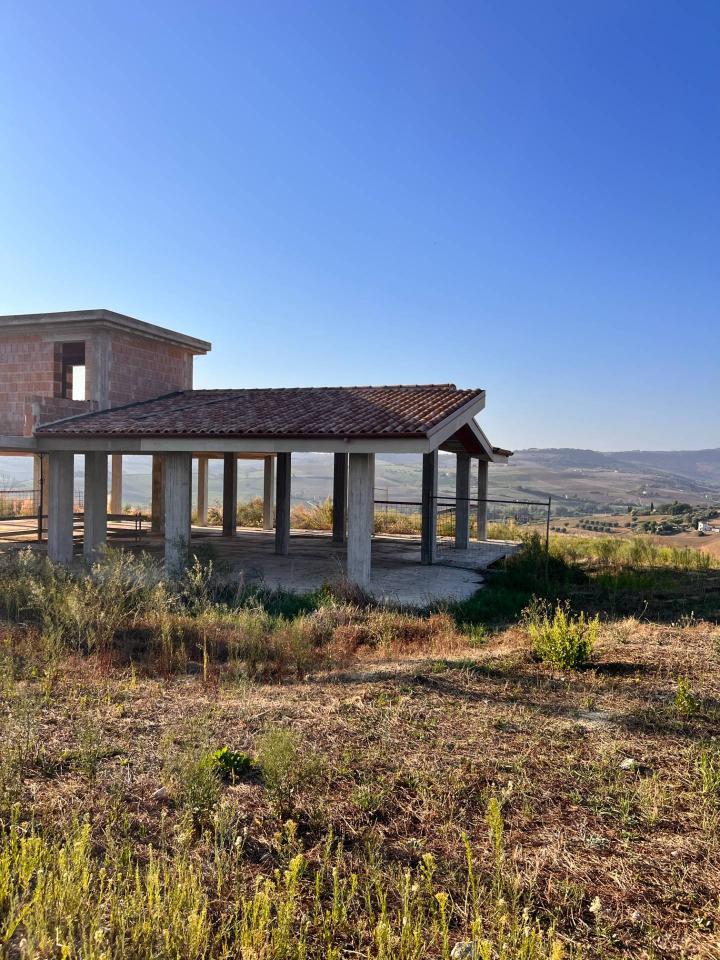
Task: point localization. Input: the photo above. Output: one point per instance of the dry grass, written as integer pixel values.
(394, 784)
(392, 760)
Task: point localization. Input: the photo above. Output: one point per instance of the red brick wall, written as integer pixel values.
(140, 369)
(31, 369)
(27, 367)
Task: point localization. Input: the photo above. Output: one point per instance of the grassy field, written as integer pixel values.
(192, 772)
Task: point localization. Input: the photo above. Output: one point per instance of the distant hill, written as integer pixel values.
(579, 481)
(616, 478)
(700, 465)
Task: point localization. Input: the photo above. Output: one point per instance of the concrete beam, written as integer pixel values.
(482, 499)
(116, 504)
(268, 493)
(428, 537)
(60, 508)
(178, 495)
(282, 503)
(157, 496)
(222, 445)
(462, 502)
(95, 518)
(340, 494)
(203, 464)
(229, 528)
(361, 474)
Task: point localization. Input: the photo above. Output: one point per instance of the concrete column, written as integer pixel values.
(178, 496)
(40, 476)
(282, 503)
(37, 472)
(482, 499)
(203, 466)
(229, 495)
(60, 507)
(340, 493)
(157, 496)
(40, 489)
(462, 501)
(371, 505)
(268, 493)
(98, 350)
(95, 519)
(359, 537)
(116, 484)
(428, 540)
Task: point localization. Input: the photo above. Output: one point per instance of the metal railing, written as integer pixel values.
(23, 512)
(18, 504)
(20, 511)
(503, 519)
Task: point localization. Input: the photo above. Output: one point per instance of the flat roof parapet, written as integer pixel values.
(67, 322)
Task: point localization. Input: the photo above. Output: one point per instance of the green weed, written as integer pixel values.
(232, 765)
(560, 637)
(685, 702)
(708, 767)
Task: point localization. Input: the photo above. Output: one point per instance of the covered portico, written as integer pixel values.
(355, 424)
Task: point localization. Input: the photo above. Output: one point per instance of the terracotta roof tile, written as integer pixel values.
(303, 412)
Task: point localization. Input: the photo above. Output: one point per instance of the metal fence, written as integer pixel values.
(19, 504)
(20, 513)
(504, 519)
(23, 512)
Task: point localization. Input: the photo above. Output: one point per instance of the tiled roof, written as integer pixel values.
(298, 413)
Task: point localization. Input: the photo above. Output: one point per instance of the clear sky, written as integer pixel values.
(522, 196)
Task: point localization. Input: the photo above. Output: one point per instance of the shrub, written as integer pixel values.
(708, 765)
(83, 612)
(198, 786)
(286, 767)
(314, 517)
(559, 637)
(685, 701)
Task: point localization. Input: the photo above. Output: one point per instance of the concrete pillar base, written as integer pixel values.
(462, 502)
(178, 494)
(60, 507)
(229, 528)
(340, 493)
(95, 520)
(203, 470)
(428, 538)
(269, 493)
(361, 473)
(157, 496)
(283, 474)
(116, 503)
(482, 499)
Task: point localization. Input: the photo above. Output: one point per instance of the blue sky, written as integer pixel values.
(522, 196)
